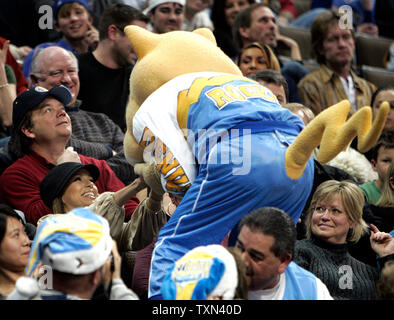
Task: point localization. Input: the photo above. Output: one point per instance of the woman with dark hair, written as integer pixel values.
(14, 249)
(223, 13)
(255, 57)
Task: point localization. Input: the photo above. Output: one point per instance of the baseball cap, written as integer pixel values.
(59, 3)
(31, 98)
(154, 3)
(77, 242)
(55, 182)
(203, 271)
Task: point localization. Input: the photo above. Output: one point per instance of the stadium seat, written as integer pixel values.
(378, 76)
(371, 51)
(301, 36)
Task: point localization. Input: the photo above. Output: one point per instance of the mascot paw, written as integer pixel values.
(151, 176)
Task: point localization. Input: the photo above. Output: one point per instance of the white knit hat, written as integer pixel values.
(154, 3)
(77, 242)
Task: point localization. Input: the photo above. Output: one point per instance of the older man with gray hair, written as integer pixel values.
(93, 134)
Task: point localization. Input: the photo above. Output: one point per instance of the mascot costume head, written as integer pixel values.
(222, 141)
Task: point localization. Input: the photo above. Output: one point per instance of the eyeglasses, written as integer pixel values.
(321, 210)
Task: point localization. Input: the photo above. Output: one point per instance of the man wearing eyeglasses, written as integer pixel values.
(104, 73)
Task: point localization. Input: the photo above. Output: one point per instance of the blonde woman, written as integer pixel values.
(334, 220)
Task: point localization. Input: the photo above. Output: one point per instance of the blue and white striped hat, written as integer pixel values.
(77, 242)
(205, 271)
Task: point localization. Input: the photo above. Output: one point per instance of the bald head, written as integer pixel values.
(55, 66)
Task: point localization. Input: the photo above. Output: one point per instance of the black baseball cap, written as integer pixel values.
(31, 98)
(55, 182)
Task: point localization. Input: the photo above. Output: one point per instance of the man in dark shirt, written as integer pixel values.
(104, 73)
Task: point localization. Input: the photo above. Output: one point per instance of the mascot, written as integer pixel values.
(221, 141)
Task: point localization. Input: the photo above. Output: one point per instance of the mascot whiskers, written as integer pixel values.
(221, 141)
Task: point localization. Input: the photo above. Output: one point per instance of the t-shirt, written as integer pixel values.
(103, 89)
(298, 291)
(371, 191)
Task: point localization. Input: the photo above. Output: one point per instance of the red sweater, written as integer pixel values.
(20, 185)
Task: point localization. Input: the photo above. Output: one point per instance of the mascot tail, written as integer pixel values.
(333, 133)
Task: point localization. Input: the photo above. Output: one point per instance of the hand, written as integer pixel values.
(92, 37)
(368, 28)
(381, 242)
(3, 52)
(69, 155)
(24, 50)
(288, 42)
(139, 183)
(295, 53)
(150, 175)
(115, 273)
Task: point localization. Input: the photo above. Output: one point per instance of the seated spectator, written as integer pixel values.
(305, 113)
(381, 213)
(362, 14)
(334, 48)
(196, 15)
(275, 82)
(108, 67)
(7, 92)
(258, 23)
(385, 285)
(333, 221)
(255, 57)
(266, 239)
(380, 95)
(381, 156)
(165, 15)
(79, 249)
(93, 134)
(41, 131)
(387, 198)
(223, 13)
(14, 249)
(75, 23)
(71, 185)
(206, 273)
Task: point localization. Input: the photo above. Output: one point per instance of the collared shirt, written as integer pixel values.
(323, 88)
